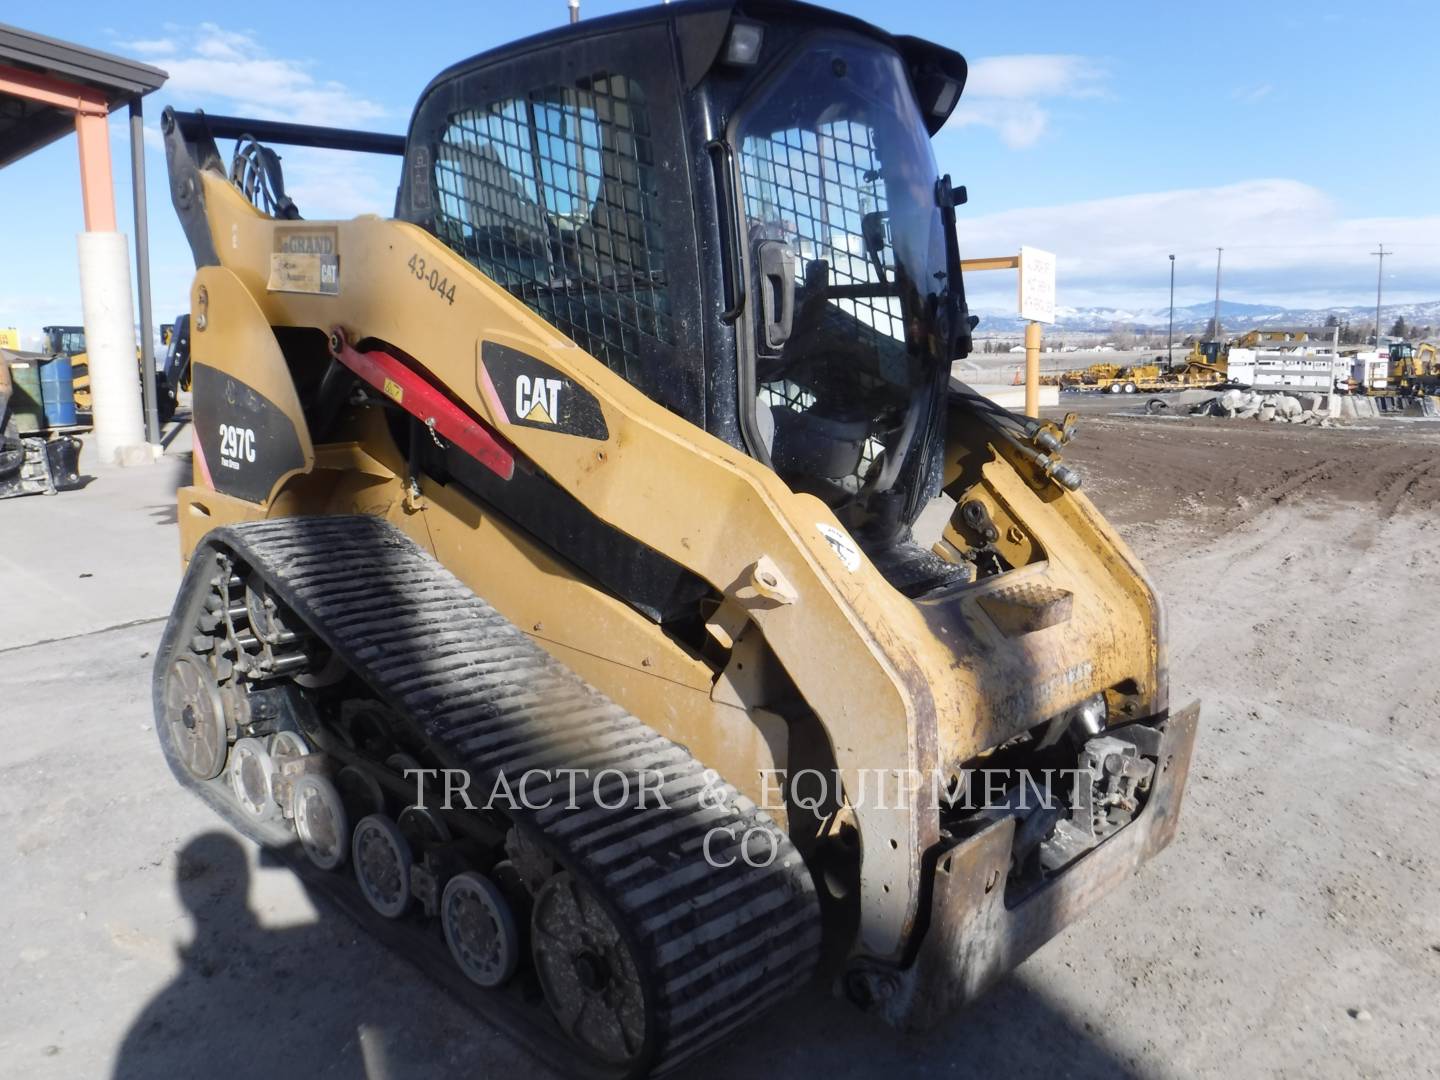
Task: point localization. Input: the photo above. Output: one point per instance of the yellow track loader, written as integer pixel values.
(70, 341)
(552, 594)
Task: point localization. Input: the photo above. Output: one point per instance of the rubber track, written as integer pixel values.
(721, 943)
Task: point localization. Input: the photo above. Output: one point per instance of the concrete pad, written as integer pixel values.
(142, 938)
(102, 555)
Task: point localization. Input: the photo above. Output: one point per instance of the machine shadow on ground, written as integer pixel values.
(303, 1000)
(215, 1016)
(250, 1000)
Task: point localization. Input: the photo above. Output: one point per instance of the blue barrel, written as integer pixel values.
(57, 391)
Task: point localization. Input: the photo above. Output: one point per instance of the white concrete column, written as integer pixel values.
(110, 348)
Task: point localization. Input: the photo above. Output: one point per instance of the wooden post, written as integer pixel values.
(1032, 370)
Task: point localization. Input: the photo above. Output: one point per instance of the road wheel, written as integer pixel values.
(480, 929)
(382, 865)
(320, 821)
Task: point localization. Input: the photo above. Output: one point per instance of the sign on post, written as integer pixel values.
(1037, 285)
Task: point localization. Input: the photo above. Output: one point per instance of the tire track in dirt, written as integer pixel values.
(1297, 480)
(1217, 474)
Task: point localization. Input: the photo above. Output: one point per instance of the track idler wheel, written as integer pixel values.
(195, 718)
(382, 865)
(480, 929)
(587, 971)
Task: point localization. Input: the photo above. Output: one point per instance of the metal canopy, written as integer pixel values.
(27, 126)
(49, 88)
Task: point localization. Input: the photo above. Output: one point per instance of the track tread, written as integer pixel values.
(720, 942)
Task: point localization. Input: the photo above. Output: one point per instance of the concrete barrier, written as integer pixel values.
(1013, 397)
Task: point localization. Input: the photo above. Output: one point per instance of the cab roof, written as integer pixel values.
(699, 27)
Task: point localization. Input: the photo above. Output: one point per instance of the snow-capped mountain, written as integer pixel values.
(1234, 317)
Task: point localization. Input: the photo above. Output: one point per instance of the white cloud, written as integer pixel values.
(1035, 75)
(332, 184)
(1252, 94)
(151, 47)
(1019, 123)
(212, 64)
(1007, 93)
(1285, 242)
(230, 72)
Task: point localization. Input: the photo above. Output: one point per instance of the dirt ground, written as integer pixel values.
(1293, 929)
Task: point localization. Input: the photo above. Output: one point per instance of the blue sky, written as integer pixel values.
(1296, 135)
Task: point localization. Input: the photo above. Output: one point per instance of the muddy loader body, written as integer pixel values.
(602, 460)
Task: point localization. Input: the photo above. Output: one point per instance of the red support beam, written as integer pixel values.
(97, 187)
(47, 90)
(91, 111)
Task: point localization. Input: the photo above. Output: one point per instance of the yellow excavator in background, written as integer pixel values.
(551, 554)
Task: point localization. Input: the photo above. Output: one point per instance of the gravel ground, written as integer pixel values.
(1291, 930)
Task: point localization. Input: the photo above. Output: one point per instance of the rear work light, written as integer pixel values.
(742, 47)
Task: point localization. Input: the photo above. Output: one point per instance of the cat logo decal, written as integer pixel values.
(524, 391)
(537, 399)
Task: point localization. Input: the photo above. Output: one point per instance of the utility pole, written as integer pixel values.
(1219, 251)
(1379, 280)
(1170, 337)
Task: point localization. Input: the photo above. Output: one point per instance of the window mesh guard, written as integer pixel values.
(820, 191)
(554, 197)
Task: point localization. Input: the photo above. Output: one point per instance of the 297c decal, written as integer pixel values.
(237, 444)
(244, 442)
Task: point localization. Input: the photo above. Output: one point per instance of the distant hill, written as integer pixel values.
(1234, 317)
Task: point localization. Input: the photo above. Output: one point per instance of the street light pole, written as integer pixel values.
(1379, 279)
(1219, 251)
(1170, 338)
